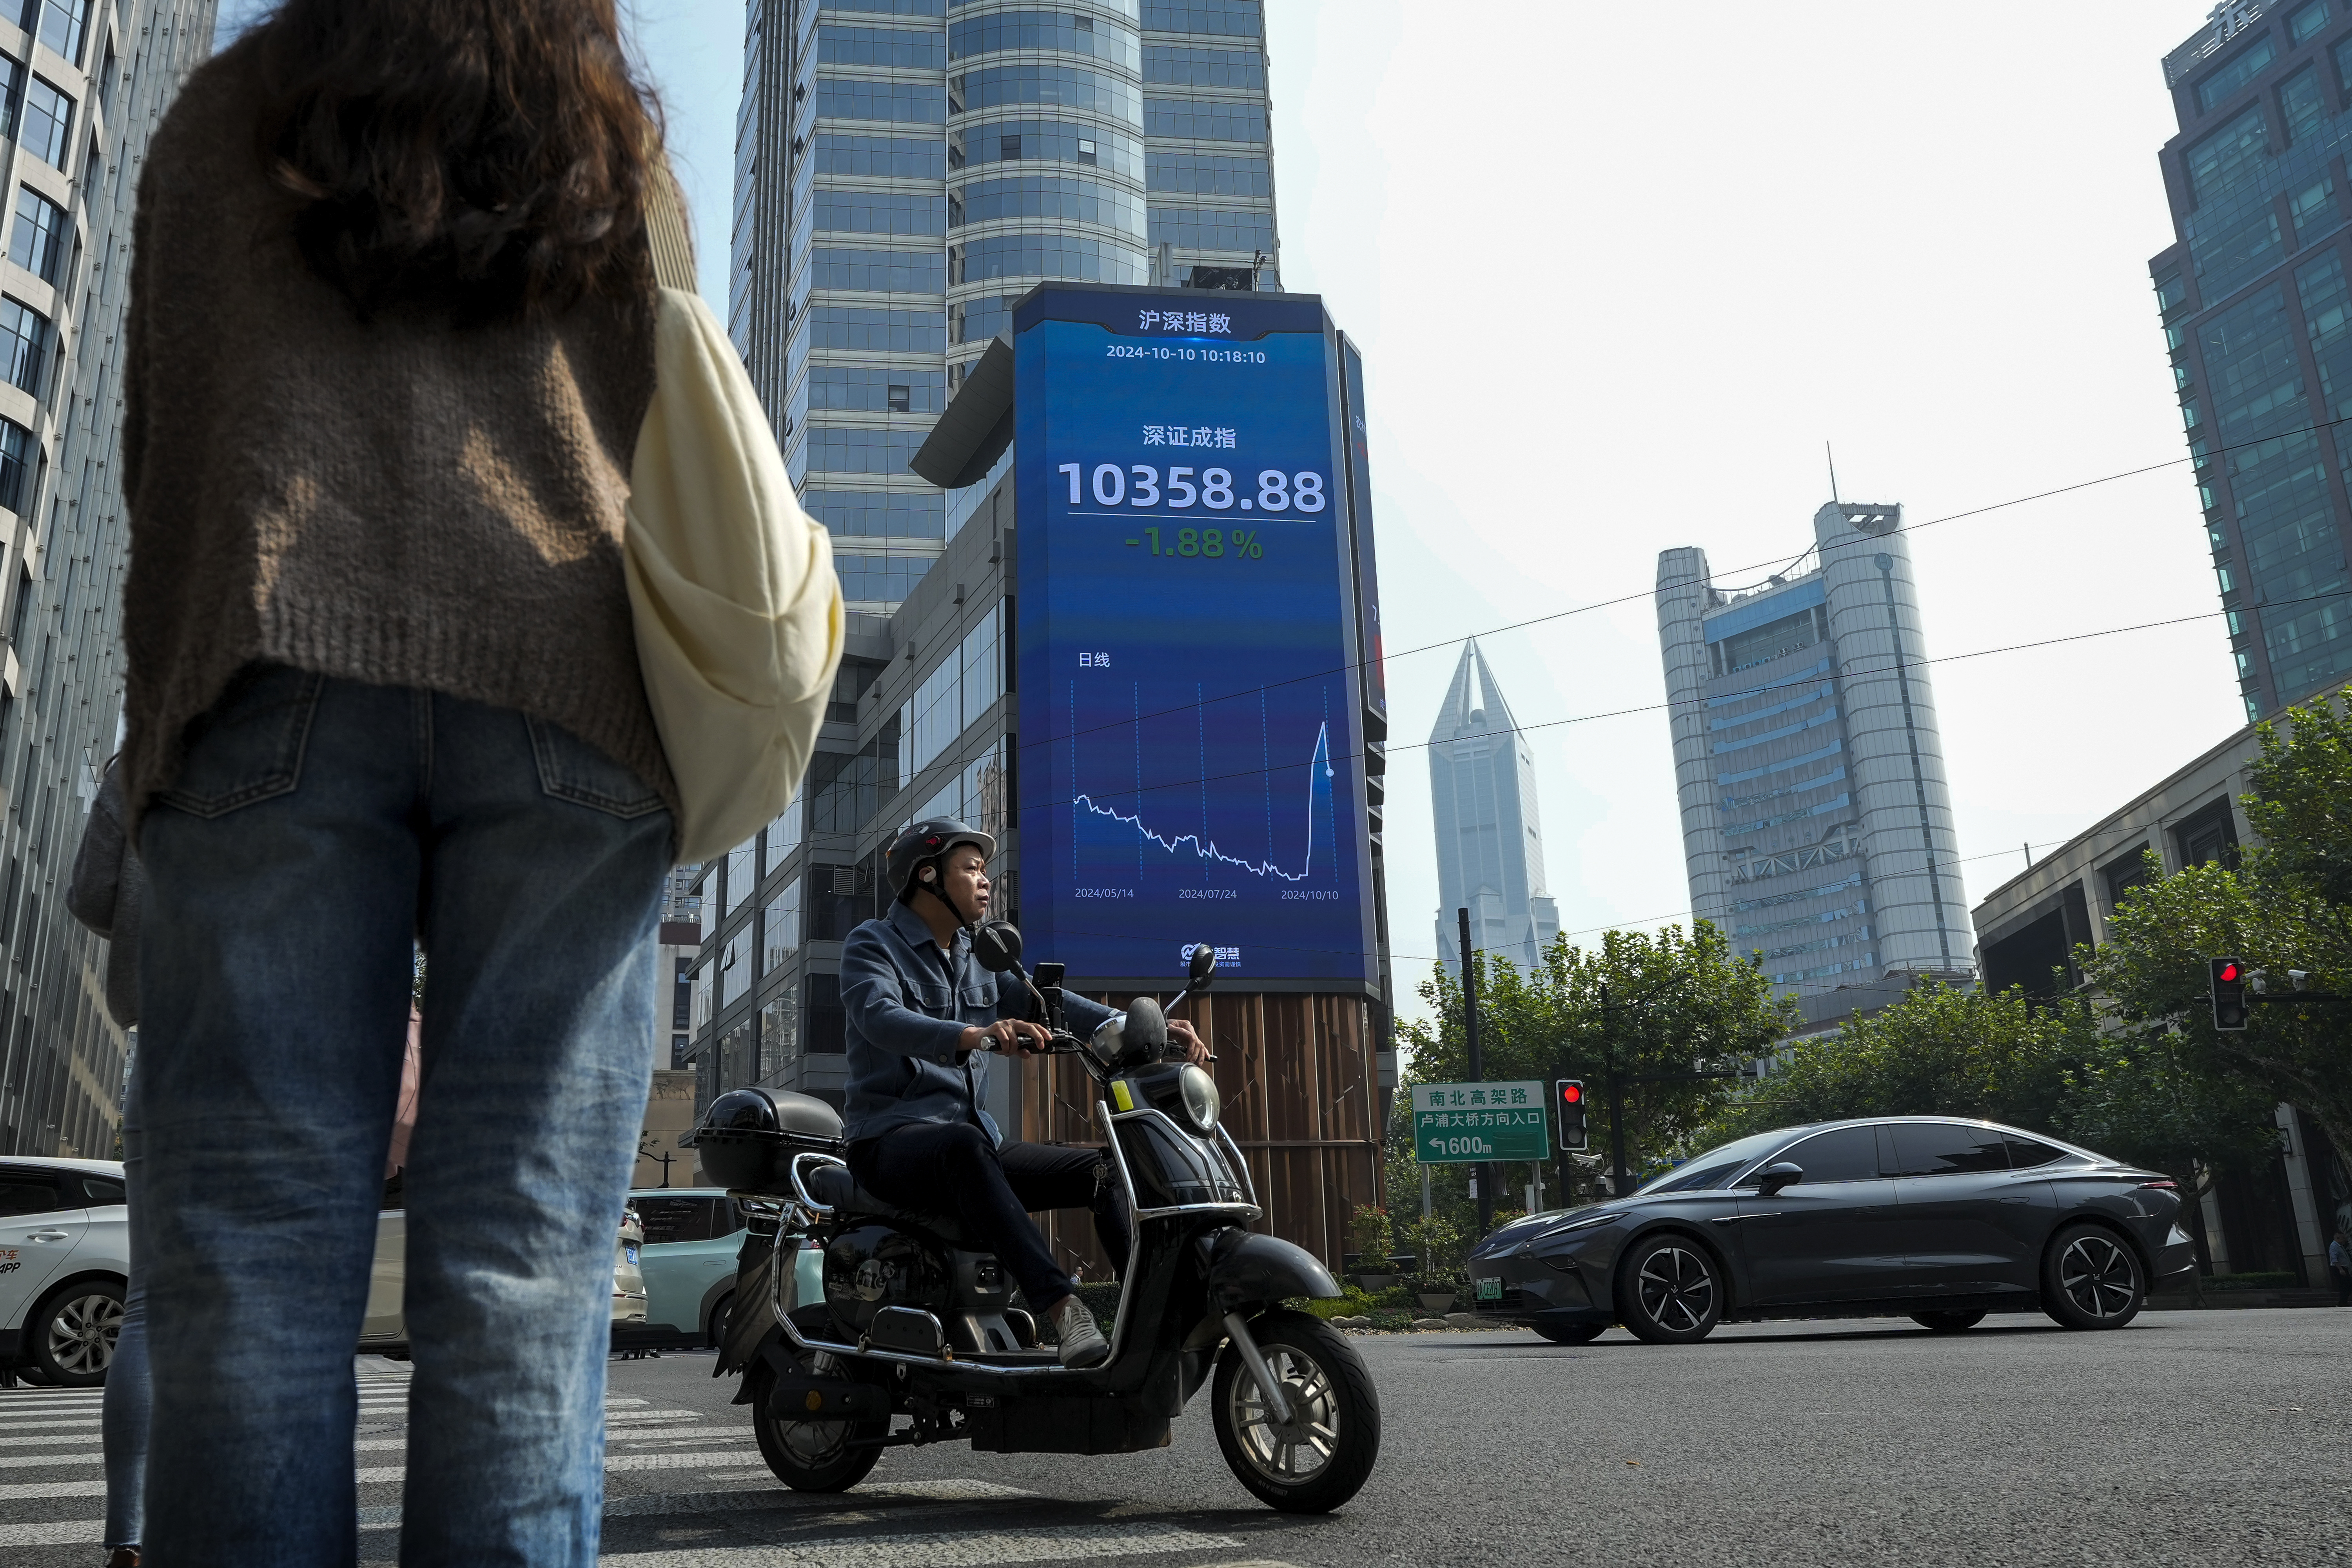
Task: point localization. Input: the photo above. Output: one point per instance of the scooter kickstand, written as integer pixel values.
(1277, 1402)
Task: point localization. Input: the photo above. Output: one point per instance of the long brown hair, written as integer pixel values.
(492, 156)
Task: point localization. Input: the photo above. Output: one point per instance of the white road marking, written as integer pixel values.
(15, 1490)
(58, 1427)
(639, 1505)
(621, 1462)
(943, 1549)
(32, 1461)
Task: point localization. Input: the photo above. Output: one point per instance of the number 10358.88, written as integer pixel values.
(1141, 485)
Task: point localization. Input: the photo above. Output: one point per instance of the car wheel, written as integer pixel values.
(1571, 1334)
(1669, 1291)
(1947, 1322)
(720, 1316)
(72, 1336)
(2090, 1278)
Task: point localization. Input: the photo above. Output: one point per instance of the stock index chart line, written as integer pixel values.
(1105, 834)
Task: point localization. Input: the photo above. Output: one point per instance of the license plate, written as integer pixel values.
(629, 1251)
(1490, 1290)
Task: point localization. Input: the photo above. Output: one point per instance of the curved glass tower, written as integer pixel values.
(1817, 826)
(906, 169)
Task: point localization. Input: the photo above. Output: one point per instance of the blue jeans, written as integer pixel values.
(124, 1411)
(316, 828)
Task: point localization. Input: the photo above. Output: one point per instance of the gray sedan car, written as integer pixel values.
(1930, 1218)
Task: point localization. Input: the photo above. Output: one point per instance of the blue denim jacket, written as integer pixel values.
(906, 1005)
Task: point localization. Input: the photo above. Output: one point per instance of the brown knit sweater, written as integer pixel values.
(397, 501)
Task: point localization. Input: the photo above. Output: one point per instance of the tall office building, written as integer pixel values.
(86, 81)
(1816, 825)
(1482, 788)
(907, 168)
(2258, 318)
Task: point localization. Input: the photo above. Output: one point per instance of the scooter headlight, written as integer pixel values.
(1198, 1094)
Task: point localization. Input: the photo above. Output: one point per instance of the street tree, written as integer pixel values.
(1653, 1008)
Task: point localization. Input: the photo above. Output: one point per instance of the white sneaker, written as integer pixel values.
(1082, 1344)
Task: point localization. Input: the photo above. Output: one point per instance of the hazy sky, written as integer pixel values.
(1619, 271)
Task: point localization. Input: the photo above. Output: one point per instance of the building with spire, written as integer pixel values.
(1482, 788)
(1817, 827)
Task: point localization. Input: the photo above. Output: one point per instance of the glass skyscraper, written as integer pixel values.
(2258, 319)
(905, 169)
(1817, 827)
(1482, 788)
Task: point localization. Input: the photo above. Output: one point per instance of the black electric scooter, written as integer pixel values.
(915, 1322)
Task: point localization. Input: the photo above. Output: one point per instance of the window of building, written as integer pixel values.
(682, 995)
(886, 331)
(904, 47)
(1212, 228)
(878, 514)
(827, 1027)
(106, 74)
(1086, 150)
(896, 102)
(2303, 107)
(1234, 18)
(902, 399)
(779, 1033)
(1176, 65)
(782, 838)
(2222, 158)
(2209, 838)
(834, 450)
(1069, 86)
(889, 8)
(782, 926)
(2249, 62)
(1079, 257)
(879, 212)
(47, 123)
(15, 454)
(886, 157)
(1210, 174)
(1046, 195)
(24, 339)
(1042, 141)
(1206, 119)
(1061, 31)
(738, 1046)
(1762, 644)
(2124, 873)
(702, 994)
(1008, 148)
(743, 873)
(2314, 210)
(735, 969)
(2307, 21)
(37, 242)
(870, 578)
(64, 24)
(952, 696)
(879, 272)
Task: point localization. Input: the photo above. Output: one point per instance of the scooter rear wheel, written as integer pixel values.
(1324, 1453)
(811, 1456)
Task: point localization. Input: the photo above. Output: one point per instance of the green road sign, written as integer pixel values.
(1458, 1123)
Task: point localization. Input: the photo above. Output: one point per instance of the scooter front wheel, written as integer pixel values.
(811, 1456)
(1319, 1457)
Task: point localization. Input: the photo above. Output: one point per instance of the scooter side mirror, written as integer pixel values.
(1204, 965)
(997, 946)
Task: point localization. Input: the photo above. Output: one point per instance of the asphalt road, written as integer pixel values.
(2190, 1437)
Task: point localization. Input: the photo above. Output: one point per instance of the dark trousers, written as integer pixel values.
(2342, 1286)
(936, 1167)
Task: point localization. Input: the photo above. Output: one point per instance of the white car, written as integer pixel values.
(65, 1256)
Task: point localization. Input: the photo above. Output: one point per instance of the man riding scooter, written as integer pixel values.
(922, 1017)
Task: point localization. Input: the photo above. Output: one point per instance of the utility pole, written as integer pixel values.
(1482, 1175)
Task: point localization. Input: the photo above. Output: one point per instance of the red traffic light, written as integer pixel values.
(2228, 972)
(1571, 1092)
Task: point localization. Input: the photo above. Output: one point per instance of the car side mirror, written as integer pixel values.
(1780, 1173)
(1204, 965)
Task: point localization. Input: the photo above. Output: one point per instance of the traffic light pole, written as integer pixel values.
(1482, 1175)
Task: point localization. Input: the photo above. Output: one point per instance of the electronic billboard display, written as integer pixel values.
(1190, 739)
